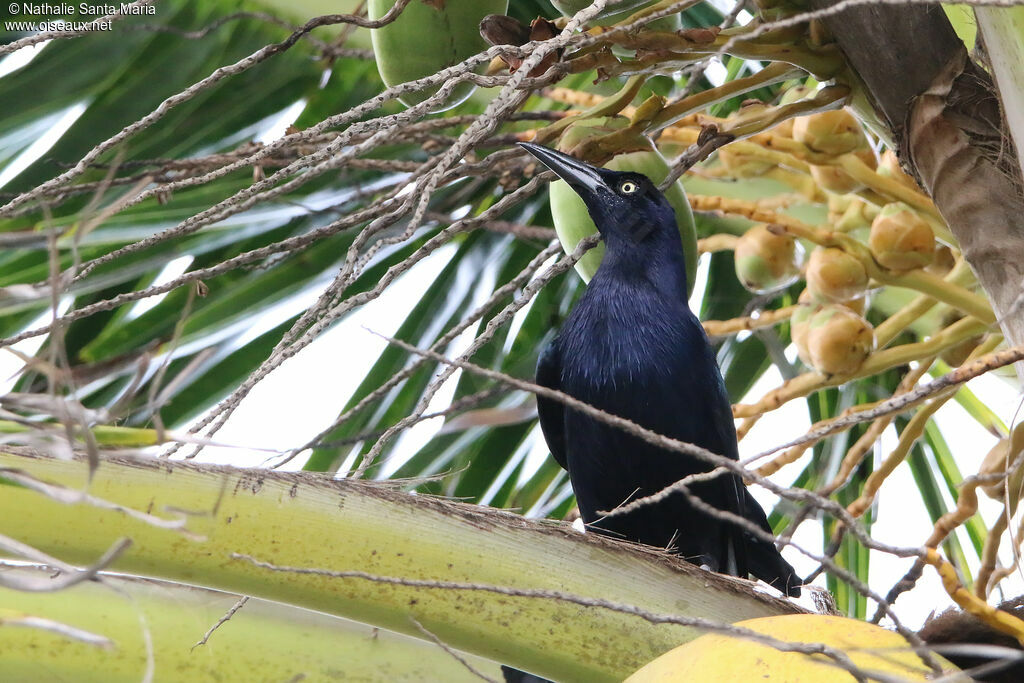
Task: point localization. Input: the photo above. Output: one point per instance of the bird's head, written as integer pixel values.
(623, 204)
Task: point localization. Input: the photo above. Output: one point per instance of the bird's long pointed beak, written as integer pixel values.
(583, 178)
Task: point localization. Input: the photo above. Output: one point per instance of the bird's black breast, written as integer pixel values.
(644, 357)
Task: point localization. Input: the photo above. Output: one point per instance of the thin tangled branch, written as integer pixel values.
(189, 93)
(68, 576)
(239, 604)
(452, 652)
(60, 629)
(906, 401)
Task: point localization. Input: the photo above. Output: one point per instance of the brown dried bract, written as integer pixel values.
(708, 132)
(540, 29)
(499, 29)
(699, 36)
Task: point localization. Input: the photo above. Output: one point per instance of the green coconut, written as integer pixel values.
(428, 36)
(573, 223)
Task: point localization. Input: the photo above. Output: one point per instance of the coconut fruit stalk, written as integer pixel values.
(617, 13)
(573, 223)
(838, 181)
(429, 35)
(794, 94)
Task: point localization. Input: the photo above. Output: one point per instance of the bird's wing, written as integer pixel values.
(551, 412)
(756, 555)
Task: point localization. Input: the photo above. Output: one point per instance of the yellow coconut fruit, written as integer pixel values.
(799, 325)
(999, 458)
(837, 340)
(766, 260)
(833, 276)
(834, 179)
(901, 239)
(856, 305)
(890, 167)
(722, 658)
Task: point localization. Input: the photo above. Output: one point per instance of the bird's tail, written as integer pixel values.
(516, 676)
(763, 559)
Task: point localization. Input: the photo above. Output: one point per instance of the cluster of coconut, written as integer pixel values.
(829, 328)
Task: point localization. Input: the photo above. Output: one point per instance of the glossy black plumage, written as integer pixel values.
(633, 347)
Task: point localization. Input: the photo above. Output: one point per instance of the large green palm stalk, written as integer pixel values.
(243, 250)
(410, 564)
(277, 641)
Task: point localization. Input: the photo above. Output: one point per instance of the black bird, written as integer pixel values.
(633, 348)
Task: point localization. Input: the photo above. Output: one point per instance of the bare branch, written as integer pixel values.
(455, 655)
(68, 576)
(227, 616)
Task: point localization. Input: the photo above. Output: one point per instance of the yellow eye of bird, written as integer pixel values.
(628, 187)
